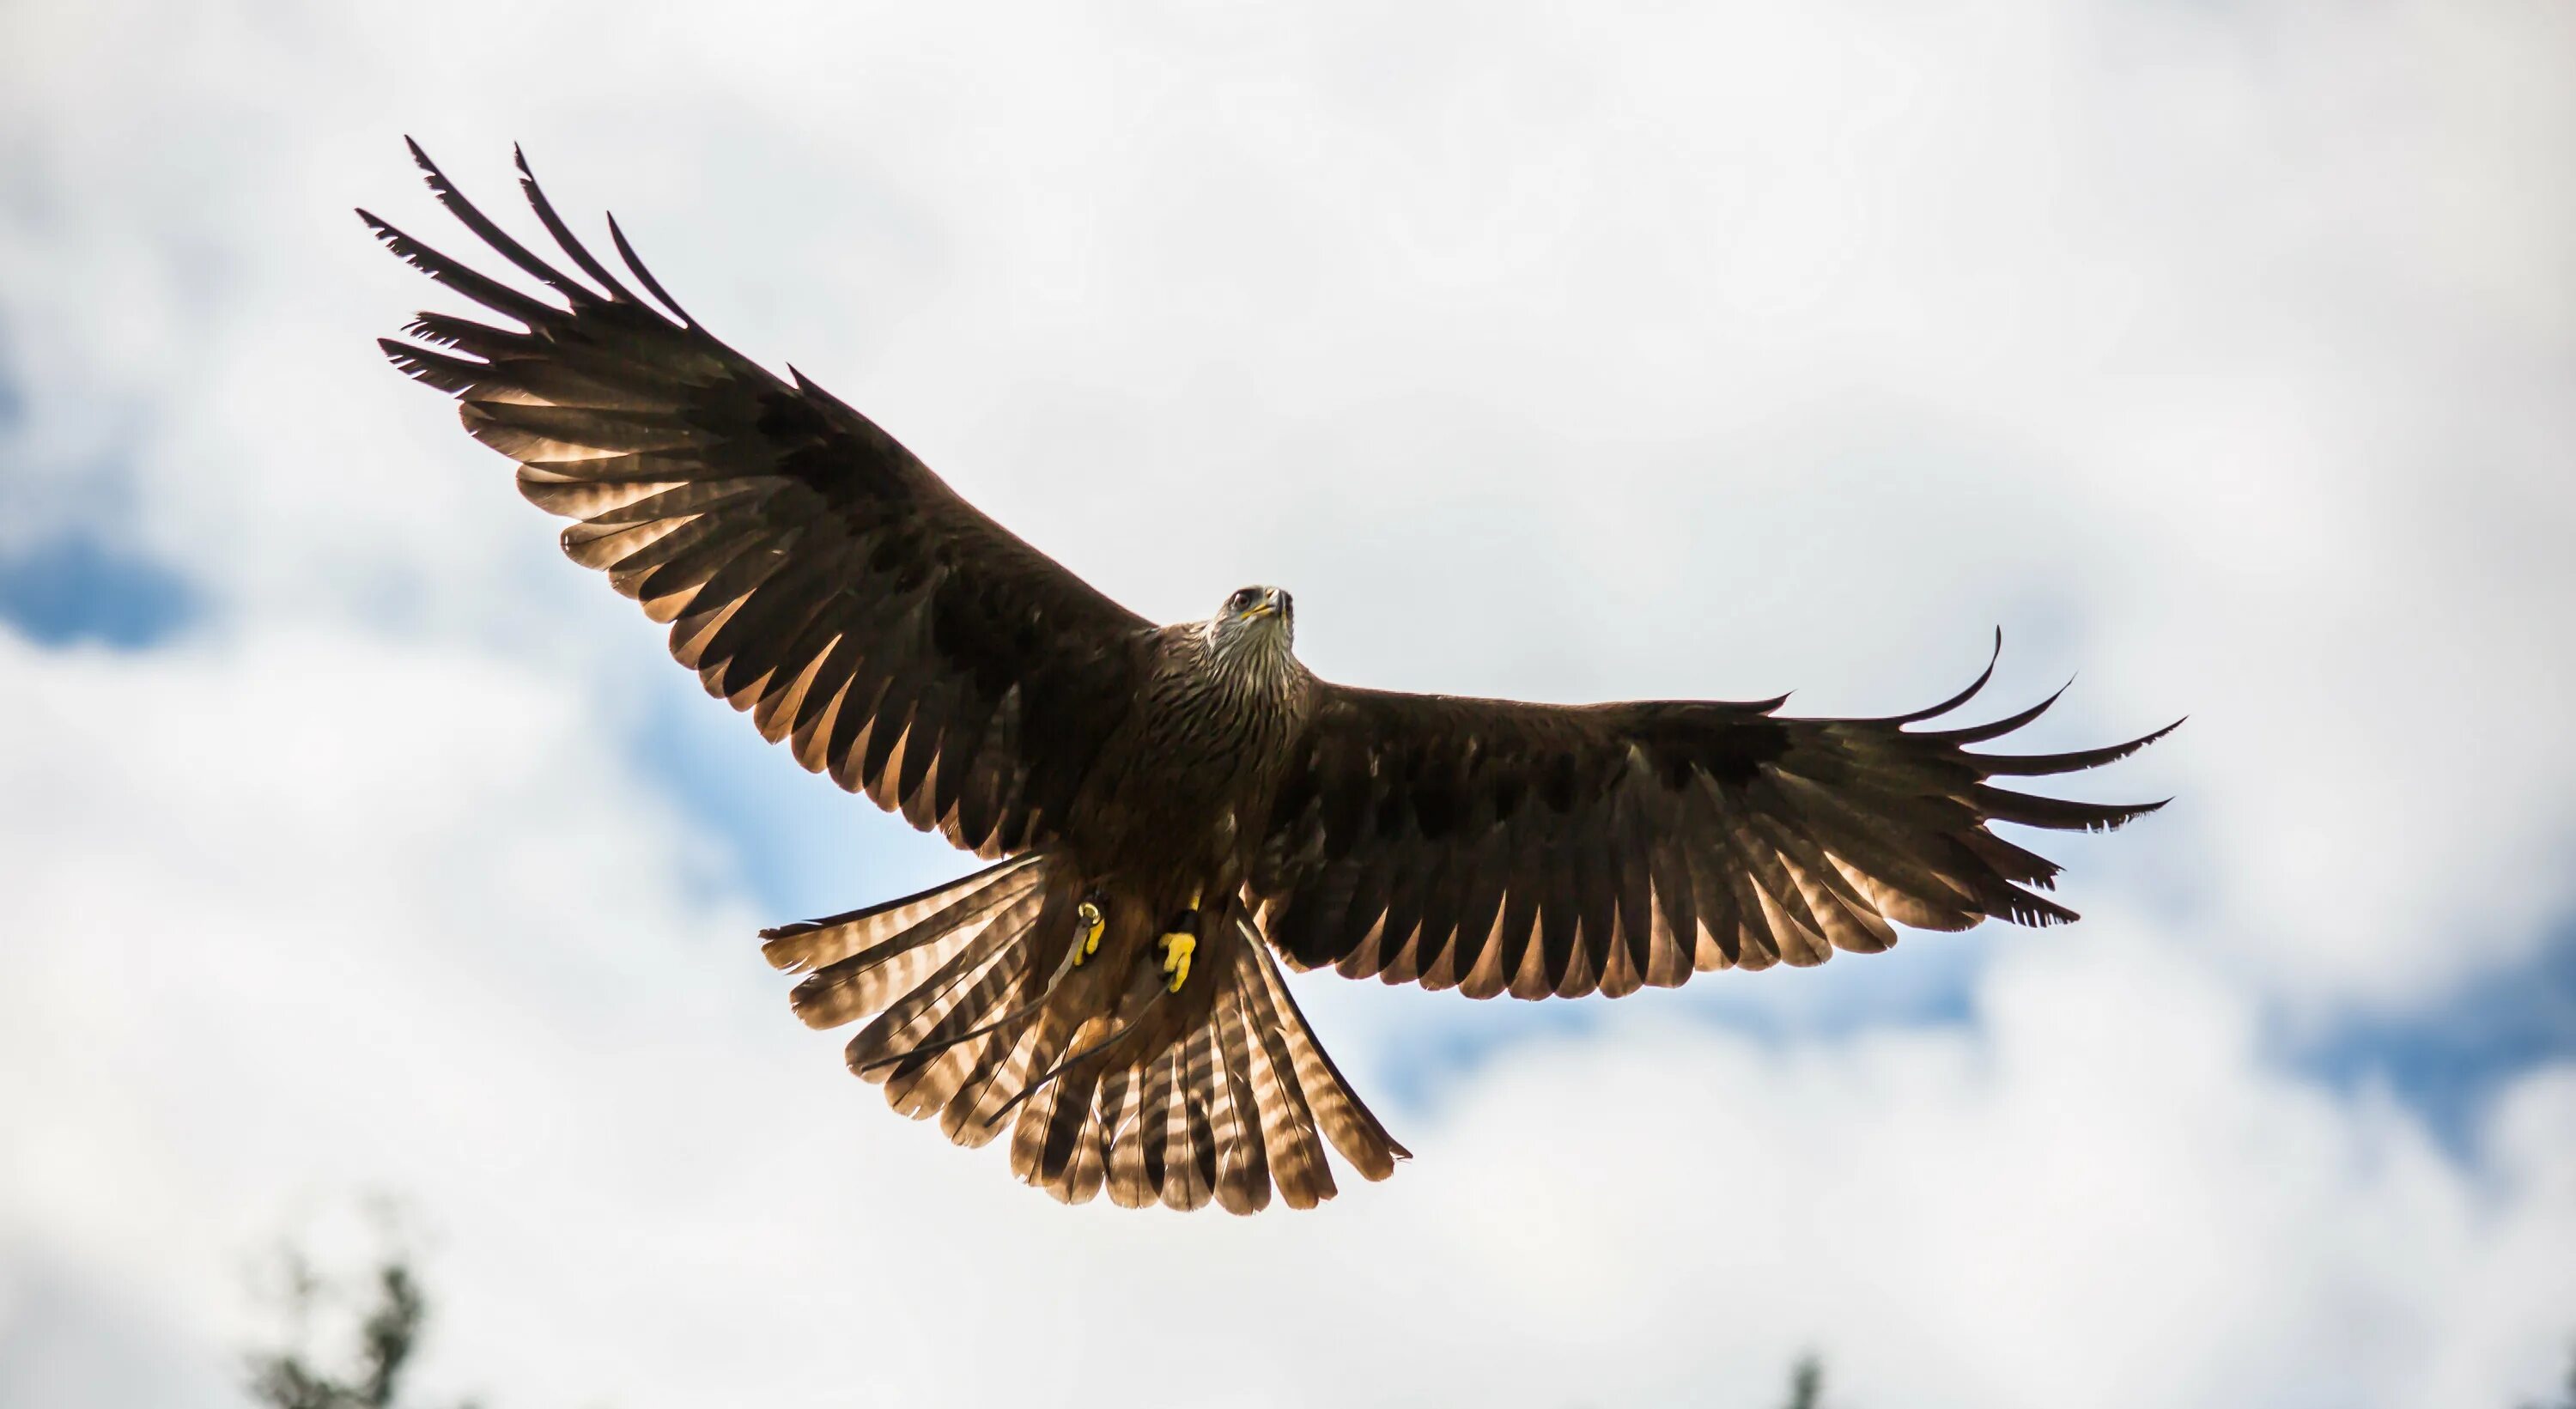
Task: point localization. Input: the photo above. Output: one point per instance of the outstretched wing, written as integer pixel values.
(812, 571)
(1546, 850)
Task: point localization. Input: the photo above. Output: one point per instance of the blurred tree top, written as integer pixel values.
(388, 1334)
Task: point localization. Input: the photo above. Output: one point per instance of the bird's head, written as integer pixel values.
(1263, 618)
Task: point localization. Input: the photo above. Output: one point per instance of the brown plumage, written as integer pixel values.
(1191, 779)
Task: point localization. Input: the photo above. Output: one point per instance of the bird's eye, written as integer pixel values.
(1240, 601)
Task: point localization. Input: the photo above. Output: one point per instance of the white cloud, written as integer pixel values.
(2220, 351)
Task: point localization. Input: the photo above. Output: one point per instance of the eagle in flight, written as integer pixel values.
(1170, 810)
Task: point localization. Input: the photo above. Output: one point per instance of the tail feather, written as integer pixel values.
(1243, 1180)
(1198, 1160)
(992, 1055)
(1090, 1168)
(1154, 1122)
(921, 1082)
(992, 951)
(1046, 1142)
(1035, 1048)
(951, 1036)
(1353, 1129)
(810, 944)
(1105, 1081)
(1122, 1113)
(1096, 1037)
(1287, 1123)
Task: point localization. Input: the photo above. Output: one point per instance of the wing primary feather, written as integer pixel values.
(2060, 814)
(491, 234)
(464, 335)
(1970, 693)
(1980, 733)
(489, 292)
(453, 375)
(2017, 864)
(563, 237)
(2074, 761)
(643, 275)
(1633, 875)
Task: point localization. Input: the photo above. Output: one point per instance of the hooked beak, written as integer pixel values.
(1269, 605)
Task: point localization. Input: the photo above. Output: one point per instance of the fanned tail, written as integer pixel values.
(1226, 1099)
(1216, 1094)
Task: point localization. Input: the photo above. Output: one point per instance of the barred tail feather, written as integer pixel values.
(1219, 1094)
(810, 944)
(1236, 1104)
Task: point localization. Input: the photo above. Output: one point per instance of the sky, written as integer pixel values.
(353, 844)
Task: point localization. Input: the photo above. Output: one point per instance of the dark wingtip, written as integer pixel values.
(1970, 693)
(2035, 911)
(644, 276)
(2150, 737)
(562, 234)
(1996, 729)
(2056, 814)
(2072, 761)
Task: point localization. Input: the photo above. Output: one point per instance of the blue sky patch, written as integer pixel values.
(76, 587)
(794, 841)
(2448, 1062)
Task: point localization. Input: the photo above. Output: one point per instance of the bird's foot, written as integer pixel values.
(1092, 924)
(1177, 948)
(1180, 940)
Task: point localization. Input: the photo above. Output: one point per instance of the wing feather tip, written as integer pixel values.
(2070, 761)
(644, 276)
(1955, 701)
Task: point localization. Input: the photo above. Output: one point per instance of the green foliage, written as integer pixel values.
(388, 1335)
(1807, 1383)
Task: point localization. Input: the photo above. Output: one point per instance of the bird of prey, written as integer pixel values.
(1170, 810)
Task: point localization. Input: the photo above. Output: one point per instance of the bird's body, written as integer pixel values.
(1166, 808)
(1182, 792)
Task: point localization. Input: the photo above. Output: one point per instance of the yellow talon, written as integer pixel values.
(1177, 947)
(1092, 925)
